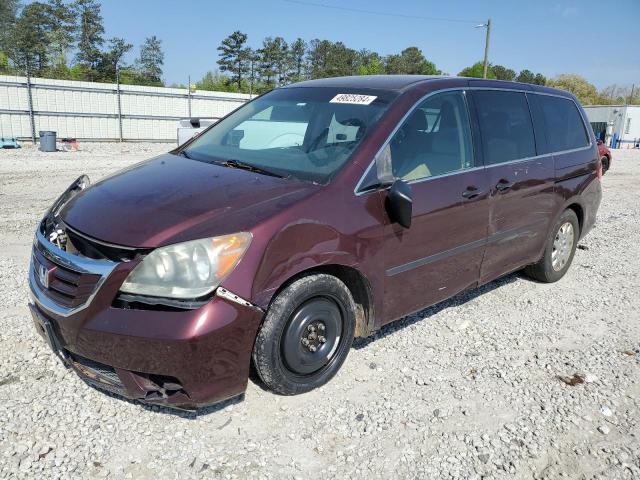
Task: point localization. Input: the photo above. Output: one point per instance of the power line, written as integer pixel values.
(385, 14)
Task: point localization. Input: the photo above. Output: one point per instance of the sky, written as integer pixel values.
(595, 39)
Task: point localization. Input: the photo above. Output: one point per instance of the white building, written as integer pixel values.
(617, 125)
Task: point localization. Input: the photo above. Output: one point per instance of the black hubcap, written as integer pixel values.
(311, 338)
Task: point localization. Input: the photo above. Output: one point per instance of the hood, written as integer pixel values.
(171, 199)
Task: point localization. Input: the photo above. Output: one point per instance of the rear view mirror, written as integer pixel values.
(399, 203)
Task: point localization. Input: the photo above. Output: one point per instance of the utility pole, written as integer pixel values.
(251, 78)
(486, 48)
(189, 96)
(119, 103)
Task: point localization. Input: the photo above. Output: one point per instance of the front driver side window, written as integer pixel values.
(435, 139)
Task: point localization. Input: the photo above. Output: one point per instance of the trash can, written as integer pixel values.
(47, 141)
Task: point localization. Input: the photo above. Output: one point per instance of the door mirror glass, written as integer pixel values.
(399, 203)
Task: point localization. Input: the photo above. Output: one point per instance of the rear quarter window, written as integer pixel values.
(563, 124)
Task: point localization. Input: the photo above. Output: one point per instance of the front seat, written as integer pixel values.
(408, 148)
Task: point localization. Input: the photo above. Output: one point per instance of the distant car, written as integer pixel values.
(605, 156)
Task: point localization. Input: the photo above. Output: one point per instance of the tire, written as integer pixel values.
(559, 251)
(283, 353)
(605, 164)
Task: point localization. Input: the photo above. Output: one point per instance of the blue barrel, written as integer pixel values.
(47, 141)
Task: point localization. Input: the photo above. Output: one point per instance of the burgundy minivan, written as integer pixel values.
(313, 214)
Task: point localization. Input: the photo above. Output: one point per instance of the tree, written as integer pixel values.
(503, 73)
(273, 61)
(579, 86)
(61, 36)
(29, 40)
(477, 70)
(151, 60)
(414, 63)
(317, 54)
(297, 52)
(393, 64)
(410, 61)
(540, 79)
(369, 63)
(235, 56)
(89, 34)
(111, 60)
(8, 18)
(526, 76)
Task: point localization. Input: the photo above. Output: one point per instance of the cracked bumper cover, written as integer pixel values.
(206, 351)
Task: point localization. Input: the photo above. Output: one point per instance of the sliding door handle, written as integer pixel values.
(504, 185)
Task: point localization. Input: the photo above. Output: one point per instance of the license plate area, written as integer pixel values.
(44, 327)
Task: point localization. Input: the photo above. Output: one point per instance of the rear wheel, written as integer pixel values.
(306, 335)
(605, 164)
(559, 251)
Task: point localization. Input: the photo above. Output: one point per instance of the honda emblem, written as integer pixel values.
(43, 276)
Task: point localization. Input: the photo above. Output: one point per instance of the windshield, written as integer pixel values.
(305, 132)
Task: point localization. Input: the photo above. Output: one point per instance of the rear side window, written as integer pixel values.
(564, 126)
(505, 126)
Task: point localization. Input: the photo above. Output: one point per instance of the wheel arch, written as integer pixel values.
(356, 282)
(579, 211)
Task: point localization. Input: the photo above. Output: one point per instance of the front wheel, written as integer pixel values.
(559, 251)
(306, 335)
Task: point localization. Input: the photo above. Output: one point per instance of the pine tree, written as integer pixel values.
(235, 57)
(89, 34)
(151, 61)
(297, 53)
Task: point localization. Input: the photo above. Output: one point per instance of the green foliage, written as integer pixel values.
(477, 70)
(89, 34)
(503, 73)
(111, 60)
(500, 72)
(8, 18)
(297, 52)
(274, 61)
(579, 86)
(369, 63)
(151, 60)
(235, 57)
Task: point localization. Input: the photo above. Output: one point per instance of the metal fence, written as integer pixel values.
(103, 111)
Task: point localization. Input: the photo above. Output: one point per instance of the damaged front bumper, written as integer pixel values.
(178, 358)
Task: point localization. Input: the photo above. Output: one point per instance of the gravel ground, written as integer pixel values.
(466, 389)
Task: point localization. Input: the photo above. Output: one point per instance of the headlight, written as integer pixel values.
(187, 270)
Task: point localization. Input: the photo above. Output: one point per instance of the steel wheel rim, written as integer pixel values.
(562, 246)
(311, 338)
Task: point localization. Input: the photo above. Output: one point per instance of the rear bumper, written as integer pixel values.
(182, 359)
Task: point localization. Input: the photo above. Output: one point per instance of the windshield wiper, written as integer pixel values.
(231, 163)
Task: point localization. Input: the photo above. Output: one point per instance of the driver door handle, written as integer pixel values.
(471, 192)
(504, 185)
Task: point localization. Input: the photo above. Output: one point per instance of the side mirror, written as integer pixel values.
(399, 204)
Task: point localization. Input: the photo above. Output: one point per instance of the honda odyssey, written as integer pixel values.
(314, 214)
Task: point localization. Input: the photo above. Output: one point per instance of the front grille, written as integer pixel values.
(67, 287)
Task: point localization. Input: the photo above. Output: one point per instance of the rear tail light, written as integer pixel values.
(599, 168)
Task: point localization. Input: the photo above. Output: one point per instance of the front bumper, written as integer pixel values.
(180, 358)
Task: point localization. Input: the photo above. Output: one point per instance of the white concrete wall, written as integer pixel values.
(86, 110)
